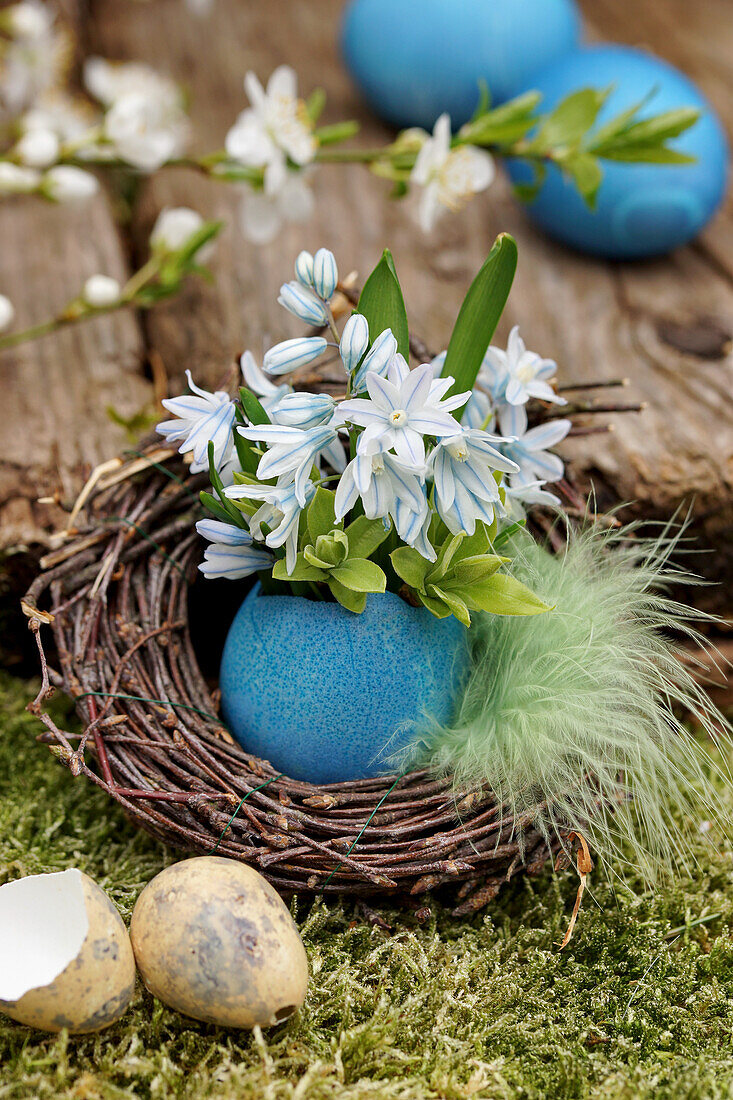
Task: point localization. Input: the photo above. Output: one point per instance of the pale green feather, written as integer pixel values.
(589, 699)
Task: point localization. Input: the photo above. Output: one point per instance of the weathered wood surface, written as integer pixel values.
(598, 320)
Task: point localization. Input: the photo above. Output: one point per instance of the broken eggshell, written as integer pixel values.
(214, 940)
(65, 955)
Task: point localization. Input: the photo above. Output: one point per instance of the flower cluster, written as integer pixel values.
(180, 242)
(396, 483)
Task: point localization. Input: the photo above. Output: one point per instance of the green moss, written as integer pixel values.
(486, 1007)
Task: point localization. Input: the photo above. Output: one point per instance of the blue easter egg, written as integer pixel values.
(414, 59)
(326, 695)
(642, 209)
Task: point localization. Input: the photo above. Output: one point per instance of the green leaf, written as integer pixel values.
(410, 566)
(226, 503)
(473, 569)
(571, 119)
(382, 303)
(360, 575)
(445, 557)
(507, 533)
(365, 536)
(648, 154)
(505, 124)
(249, 460)
(211, 504)
(337, 132)
(302, 571)
(436, 607)
(321, 513)
(452, 601)
(252, 408)
(352, 601)
(479, 315)
(315, 103)
(587, 175)
(655, 129)
(504, 595)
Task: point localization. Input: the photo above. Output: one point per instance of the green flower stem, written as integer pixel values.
(141, 278)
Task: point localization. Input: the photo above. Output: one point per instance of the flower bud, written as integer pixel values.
(101, 291)
(378, 359)
(174, 228)
(7, 313)
(38, 148)
(64, 183)
(303, 303)
(325, 273)
(29, 19)
(303, 410)
(15, 180)
(304, 268)
(354, 341)
(291, 354)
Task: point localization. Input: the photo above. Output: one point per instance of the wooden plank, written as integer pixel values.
(598, 320)
(56, 390)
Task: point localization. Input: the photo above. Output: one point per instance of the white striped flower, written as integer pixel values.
(261, 386)
(515, 375)
(397, 415)
(465, 487)
(291, 354)
(325, 273)
(290, 452)
(528, 448)
(202, 418)
(304, 268)
(280, 511)
(354, 341)
(376, 361)
(303, 303)
(303, 410)
(380, 480)
(232, 553)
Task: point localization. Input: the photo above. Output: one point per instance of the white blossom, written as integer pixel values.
(354, 341)
(528, 448)
(145, 131)
(108, 81)
(303, 303)
(35, 60)
(7, 313)
(101, 291)
(286, 198)
(449, 176)
(276, 126)
(291, 452)
(255, 379)
(465, 487)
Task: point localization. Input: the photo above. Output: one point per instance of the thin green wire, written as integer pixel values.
(364, 827)
(164, 470)
(142, 699)
(239, 807)
(146, 536)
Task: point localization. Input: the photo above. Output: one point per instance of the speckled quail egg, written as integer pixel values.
(65, 955)
(213, 940)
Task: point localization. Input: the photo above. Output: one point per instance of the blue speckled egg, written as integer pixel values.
(414, 59)
(326, 695)
(642, 209)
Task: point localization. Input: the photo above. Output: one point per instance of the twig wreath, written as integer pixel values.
(564, 731)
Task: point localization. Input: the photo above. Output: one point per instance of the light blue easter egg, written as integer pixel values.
(414, 59)
(642, 209)
(328, 696)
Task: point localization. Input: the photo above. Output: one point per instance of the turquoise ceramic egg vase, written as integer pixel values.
(328, 696)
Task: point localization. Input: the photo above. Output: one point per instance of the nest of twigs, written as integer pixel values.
(116, 596)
